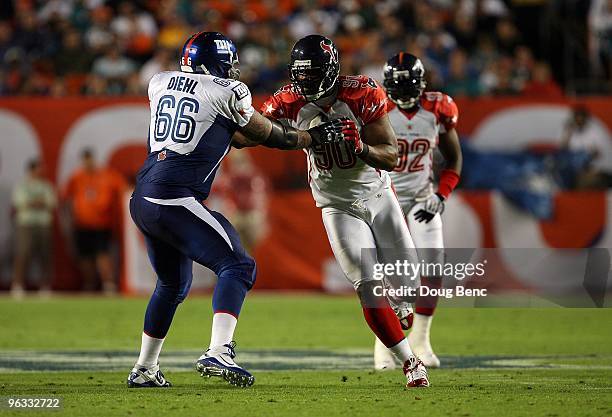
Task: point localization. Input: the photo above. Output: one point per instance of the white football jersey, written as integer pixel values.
(336, 175)
(417, 136)
(185, 105)
(193, 119)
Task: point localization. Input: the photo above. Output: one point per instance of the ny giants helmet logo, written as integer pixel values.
(330, 50)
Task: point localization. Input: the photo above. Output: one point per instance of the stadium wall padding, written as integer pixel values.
(295, 253)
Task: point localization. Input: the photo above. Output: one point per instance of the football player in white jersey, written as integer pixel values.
(351, 185)
(195, 114)
(422, 121)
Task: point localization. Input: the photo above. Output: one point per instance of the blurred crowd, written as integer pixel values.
(471, 47)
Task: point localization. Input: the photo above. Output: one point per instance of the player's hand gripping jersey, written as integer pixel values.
(336, 174)
(417, 136)
(193, 118)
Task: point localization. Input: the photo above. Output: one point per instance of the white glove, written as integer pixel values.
(432, 206)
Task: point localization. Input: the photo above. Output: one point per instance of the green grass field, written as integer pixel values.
(311, 356)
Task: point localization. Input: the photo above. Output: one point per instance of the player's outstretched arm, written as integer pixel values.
(378, 146)
(273, 134)
(263, 131)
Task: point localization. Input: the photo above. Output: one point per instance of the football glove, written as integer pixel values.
(432, 206)
(353, 138)
(333, 131)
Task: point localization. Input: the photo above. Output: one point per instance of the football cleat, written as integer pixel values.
(219, 361)
(422, 348)
(384, 359)
(416, 373)
(143, 377)
(405, 315)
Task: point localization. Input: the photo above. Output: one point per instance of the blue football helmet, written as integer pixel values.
(210, 53)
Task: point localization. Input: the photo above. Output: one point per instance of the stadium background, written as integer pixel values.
(74, 76)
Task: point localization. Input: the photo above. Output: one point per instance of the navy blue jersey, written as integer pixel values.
(193, 118)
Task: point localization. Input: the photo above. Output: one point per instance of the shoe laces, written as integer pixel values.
(415, 368)
(230, 349)
(419, 371)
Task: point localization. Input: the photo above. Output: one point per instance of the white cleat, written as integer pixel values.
(143, 377)
(422, 349)
(416, 373)
(384, 359)
(219, 362)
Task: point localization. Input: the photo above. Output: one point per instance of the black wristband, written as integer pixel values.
(365, 151)
(316, 135)
(282, 137)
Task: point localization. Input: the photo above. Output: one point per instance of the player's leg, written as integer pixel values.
(348, 235)
(174, 275)
(208, 238)
(394, 243)
(429, 241)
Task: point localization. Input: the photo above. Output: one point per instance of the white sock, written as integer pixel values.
(223, 327)
(149, 350)
(402, 350)
(421, 326)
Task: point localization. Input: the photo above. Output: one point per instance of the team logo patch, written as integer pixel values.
(241, 91)
(161, 156)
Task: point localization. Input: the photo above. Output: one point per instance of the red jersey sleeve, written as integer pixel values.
(272, 108)
(444, 107)
(364, 96)
(284, 104)
(373, 102)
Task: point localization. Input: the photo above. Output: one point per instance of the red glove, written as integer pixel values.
(332, 131)
(352, 137)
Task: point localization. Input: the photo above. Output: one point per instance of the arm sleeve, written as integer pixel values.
(240, 104)
(448, 114)
(152, 85)
(373, 103)
(272, 108)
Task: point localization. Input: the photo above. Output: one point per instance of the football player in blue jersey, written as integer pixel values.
(197, 114)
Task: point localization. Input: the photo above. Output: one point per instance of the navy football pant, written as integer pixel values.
(177, 232)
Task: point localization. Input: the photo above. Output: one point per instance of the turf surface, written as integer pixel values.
(506, 362)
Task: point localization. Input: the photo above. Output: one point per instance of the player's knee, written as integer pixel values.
(370, 292)
(249, 266)
(174, 293)
(253, 270)
(182, 293)
(243, 268)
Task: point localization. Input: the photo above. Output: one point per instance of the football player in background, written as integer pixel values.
(422, 121)
(350, 182)
(194, 114)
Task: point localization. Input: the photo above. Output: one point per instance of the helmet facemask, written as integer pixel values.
(404, 89)
(313, 82)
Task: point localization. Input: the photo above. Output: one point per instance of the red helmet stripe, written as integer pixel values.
(401, 57)
(186, 51)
